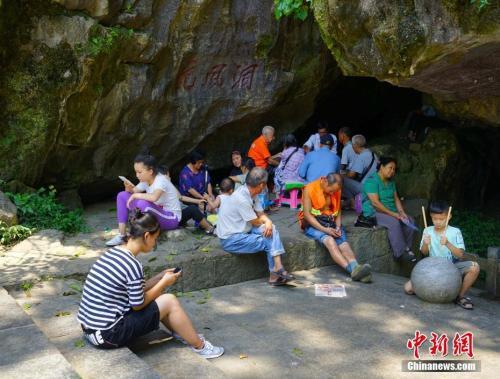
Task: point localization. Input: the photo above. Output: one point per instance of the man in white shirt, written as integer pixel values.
(244, 228)
(314, 140)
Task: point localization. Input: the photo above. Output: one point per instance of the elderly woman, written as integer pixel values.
(382, 205)
(291, 159)
(194, 179)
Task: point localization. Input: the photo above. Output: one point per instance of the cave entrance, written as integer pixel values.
(379, 111)
(366, 105)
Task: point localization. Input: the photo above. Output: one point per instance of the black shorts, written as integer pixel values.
(132, 325)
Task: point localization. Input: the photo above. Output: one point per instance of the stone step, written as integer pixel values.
(204, 263)
(25, 352)
(46, 300)
(55, 315)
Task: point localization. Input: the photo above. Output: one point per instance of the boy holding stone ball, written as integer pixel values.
(444, 241)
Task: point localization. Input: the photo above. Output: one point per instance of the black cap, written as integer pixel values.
(326, 139)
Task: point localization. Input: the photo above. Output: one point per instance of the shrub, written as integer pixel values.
(480, 3)
(11, 234)
(297, 8)
(40, 210)
(480, 232)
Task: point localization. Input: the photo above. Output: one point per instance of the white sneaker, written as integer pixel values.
(209, 351)
(116, 240)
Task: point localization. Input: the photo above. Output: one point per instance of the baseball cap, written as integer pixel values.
(327, 139)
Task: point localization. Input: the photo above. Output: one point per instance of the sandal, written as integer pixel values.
(464, 302)
(283, 274)
(277, 282)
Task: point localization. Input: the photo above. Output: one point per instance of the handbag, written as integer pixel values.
(326, 221)
(366, 222)
(278, 173)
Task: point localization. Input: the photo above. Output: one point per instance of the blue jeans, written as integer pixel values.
(253, 242)
(318, 235)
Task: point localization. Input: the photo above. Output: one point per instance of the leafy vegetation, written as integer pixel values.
(41, 210)
(27, 287)
(12, 234)
(479, 232)
(104, 40)
(480, 3)
(296, 8)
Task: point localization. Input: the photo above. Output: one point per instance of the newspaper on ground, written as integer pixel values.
(329, 290)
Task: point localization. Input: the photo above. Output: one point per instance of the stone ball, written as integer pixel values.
(436, 280)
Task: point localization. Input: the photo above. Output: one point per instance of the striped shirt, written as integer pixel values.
(113, 286)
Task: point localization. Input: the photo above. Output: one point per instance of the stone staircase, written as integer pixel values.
(39, 325)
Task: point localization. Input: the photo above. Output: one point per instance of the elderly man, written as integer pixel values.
(321, 220)
(363, 166)
(259, 150)
(314, 140)
(320, 162)
(244, 228)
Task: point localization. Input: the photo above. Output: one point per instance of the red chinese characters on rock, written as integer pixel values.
(187, 79)
(462, 344)
(244, 77)
(217, 76)
(214, 77)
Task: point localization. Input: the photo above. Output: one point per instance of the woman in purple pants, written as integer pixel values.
(156, 194)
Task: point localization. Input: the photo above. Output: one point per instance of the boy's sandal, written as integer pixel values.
(283, 274)
(277, 282)
(464, 303)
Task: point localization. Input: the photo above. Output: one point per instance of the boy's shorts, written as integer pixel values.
(318, 235)
(131, 326)
(463, 266)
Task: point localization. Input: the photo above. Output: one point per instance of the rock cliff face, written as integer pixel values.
(447, 48)
(86, 83)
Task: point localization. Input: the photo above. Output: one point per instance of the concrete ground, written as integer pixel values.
(282, 332)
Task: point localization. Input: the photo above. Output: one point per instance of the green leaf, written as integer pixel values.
(80, 343)
(62, 314)
(76, 287)
(297, 352)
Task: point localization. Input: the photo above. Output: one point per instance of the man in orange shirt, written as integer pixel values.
(259, 151)
(320, 220)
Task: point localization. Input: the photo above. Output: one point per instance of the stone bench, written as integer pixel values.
(207, 265)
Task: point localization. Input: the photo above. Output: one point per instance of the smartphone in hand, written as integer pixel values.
(125, 180)
(177, 269)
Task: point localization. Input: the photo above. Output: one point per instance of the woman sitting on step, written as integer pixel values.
(117, 304)
(155, 193)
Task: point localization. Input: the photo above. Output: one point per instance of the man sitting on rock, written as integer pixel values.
(244, 228)
(259, 150)
(321, 220)
(363, 165)
(320, 162)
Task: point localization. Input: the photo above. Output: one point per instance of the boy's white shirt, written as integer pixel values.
(453, 235)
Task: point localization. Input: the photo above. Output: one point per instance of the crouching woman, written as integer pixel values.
(118, 306)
